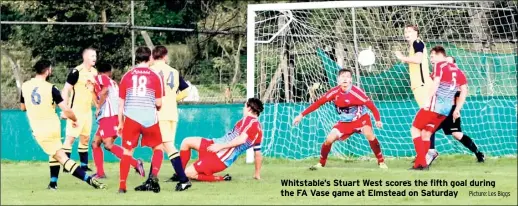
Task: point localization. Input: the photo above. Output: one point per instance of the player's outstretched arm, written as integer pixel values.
(183, 90)
(418, 47)
(241, 139)
(258, 160)
(322, 100)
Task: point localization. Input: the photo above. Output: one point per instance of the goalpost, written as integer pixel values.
(295, 49)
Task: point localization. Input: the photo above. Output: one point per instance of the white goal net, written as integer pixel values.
(295, 50)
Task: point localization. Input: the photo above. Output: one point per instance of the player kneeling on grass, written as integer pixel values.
(215, 155)
(453, 127)
(45, 124)
(107, 105)
(350, 102)
(447, 80)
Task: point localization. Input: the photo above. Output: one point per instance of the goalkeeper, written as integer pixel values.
(419, 71)
(350, 102)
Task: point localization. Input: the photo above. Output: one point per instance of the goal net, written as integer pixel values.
(296, 49)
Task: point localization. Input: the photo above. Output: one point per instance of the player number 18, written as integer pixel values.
(139, 85)
(454, 80)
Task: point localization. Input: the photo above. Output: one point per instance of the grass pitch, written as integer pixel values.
(25, 183)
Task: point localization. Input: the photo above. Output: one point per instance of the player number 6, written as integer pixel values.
(139, 85)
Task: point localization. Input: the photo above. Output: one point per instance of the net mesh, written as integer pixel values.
(298, 52)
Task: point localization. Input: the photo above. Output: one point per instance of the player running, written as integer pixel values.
(419, 71)
(175, 89)
(453, 127)
(80, 82)
(216, 155)
(46, 126)
(350, 102)
(447, 80)
(107, 107)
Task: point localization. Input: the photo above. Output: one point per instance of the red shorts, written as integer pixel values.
(428, 120)
(346, 129)
(208, 162)
(107, 127)
(131, 131)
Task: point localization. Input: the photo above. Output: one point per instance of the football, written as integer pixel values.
(366, 57)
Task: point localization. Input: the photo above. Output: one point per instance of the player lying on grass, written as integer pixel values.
(215, 155)
(107, 105)
(175, 89)
(447, 80)
(350, 103)
(46, 127)
(453, 127)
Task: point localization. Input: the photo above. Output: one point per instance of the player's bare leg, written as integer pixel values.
(115, 150)
(77, 171)
(419, 146)
(333, 135)
(375, 145)
(67, 148)
(82, 150)
(468, 143)
(193, 174)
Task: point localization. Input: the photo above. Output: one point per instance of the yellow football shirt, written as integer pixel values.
(171, 81)
(419, 73)
(82, 81)
(39, 97)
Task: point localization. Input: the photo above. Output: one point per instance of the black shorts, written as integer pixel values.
(448, 126)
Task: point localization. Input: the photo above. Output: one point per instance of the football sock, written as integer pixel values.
(76, 171)
(418, 146)
(432, 141)
(209, 178)
(156, 162)
(177, 165)
(375, 146)
(83, 154)
(67, 149)
(426, 147)
(98, 159)
(54, 170)
(124, 171)
(118, 152)
(468, 143)
(324, 152)
(185, 156)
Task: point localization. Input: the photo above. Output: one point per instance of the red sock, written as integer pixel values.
(99, 160)
(209, 178)
(375, 146)
(117, 151)
(324, 152)
(124, 171)
(421, 158)
(156, 162)
(185, 156)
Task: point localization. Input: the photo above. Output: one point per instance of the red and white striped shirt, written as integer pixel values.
(110, 107)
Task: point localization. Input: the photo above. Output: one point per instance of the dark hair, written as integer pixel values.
(159, 52)
(438, 50)
(104, 67)
(414, 27)
(341, 71)
(142, 54)
(255, 105)
(42, 66)
(454, 61)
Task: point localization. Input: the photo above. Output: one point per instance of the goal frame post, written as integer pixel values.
(250, 34)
